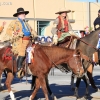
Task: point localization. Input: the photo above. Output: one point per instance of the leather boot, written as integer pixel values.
(20, 72)
(20, 61)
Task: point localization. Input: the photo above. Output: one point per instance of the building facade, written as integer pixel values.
(42, 14)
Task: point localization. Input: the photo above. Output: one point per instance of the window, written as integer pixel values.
(41, 26)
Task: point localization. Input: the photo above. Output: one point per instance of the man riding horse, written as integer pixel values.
(62, 28)
(20, 34)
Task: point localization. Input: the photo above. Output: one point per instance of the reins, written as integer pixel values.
(88, 44)
(80, 39)
(76, 61)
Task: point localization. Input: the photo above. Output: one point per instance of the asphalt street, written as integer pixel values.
(59, 84)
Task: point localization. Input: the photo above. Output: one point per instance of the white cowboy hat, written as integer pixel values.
(61, 10)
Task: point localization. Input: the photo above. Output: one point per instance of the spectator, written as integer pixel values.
(97, 21)
(87, 31)
(82, 33)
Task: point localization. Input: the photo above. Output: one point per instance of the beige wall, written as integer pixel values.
(9, 10)
(46, 9)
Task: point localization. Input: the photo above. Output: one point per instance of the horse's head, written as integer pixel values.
(75, 63)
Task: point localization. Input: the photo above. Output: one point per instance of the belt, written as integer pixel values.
(26, 38)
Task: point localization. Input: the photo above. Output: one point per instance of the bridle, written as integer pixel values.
(77, 62)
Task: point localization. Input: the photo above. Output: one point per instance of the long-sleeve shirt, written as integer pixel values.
(97, 23)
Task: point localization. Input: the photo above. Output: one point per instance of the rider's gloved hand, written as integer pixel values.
(55, 39)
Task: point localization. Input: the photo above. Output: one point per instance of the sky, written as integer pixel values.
(84, 0)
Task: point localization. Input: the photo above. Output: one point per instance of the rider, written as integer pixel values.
(96, 26)
(97, 21)
(62, 26)
(2, 27)
(20, 34)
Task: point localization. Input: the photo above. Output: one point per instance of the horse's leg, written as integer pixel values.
(43, 85)
(1, 87)
(89, 74)
(72, 81)
(33, 82)
(49, 90)
(78, 80)
(9, 79)
(1, 80)
(87, 85)
(37, 86)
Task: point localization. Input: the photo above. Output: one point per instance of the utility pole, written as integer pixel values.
(88, 14)
(64, 3)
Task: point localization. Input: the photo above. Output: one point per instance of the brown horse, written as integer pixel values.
(6, 63)
(91, 39)
(46, 57)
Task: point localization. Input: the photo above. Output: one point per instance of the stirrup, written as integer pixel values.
(20, 73)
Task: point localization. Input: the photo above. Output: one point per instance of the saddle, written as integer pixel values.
(68, 42)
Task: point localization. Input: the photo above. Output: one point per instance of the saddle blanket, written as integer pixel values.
(30, 53)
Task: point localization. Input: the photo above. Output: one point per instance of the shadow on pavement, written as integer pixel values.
(58, 90)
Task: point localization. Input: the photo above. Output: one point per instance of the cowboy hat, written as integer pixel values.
(19, 11)
(61, 10)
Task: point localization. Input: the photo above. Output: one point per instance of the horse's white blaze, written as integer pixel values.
(12, 95)
(30, 97)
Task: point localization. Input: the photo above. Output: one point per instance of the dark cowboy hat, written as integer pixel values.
(19, 11)
(62, 10)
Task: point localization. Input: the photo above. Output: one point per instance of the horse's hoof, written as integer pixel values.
(55, 98)
(78, 98)
(97, 90)
(83, 98)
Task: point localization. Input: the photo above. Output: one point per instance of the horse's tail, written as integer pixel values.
(33, 82)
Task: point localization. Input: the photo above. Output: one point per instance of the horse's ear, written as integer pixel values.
(85, 57)
(78, 51)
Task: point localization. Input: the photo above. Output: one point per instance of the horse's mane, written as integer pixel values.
(88, 37)
(55, 51)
